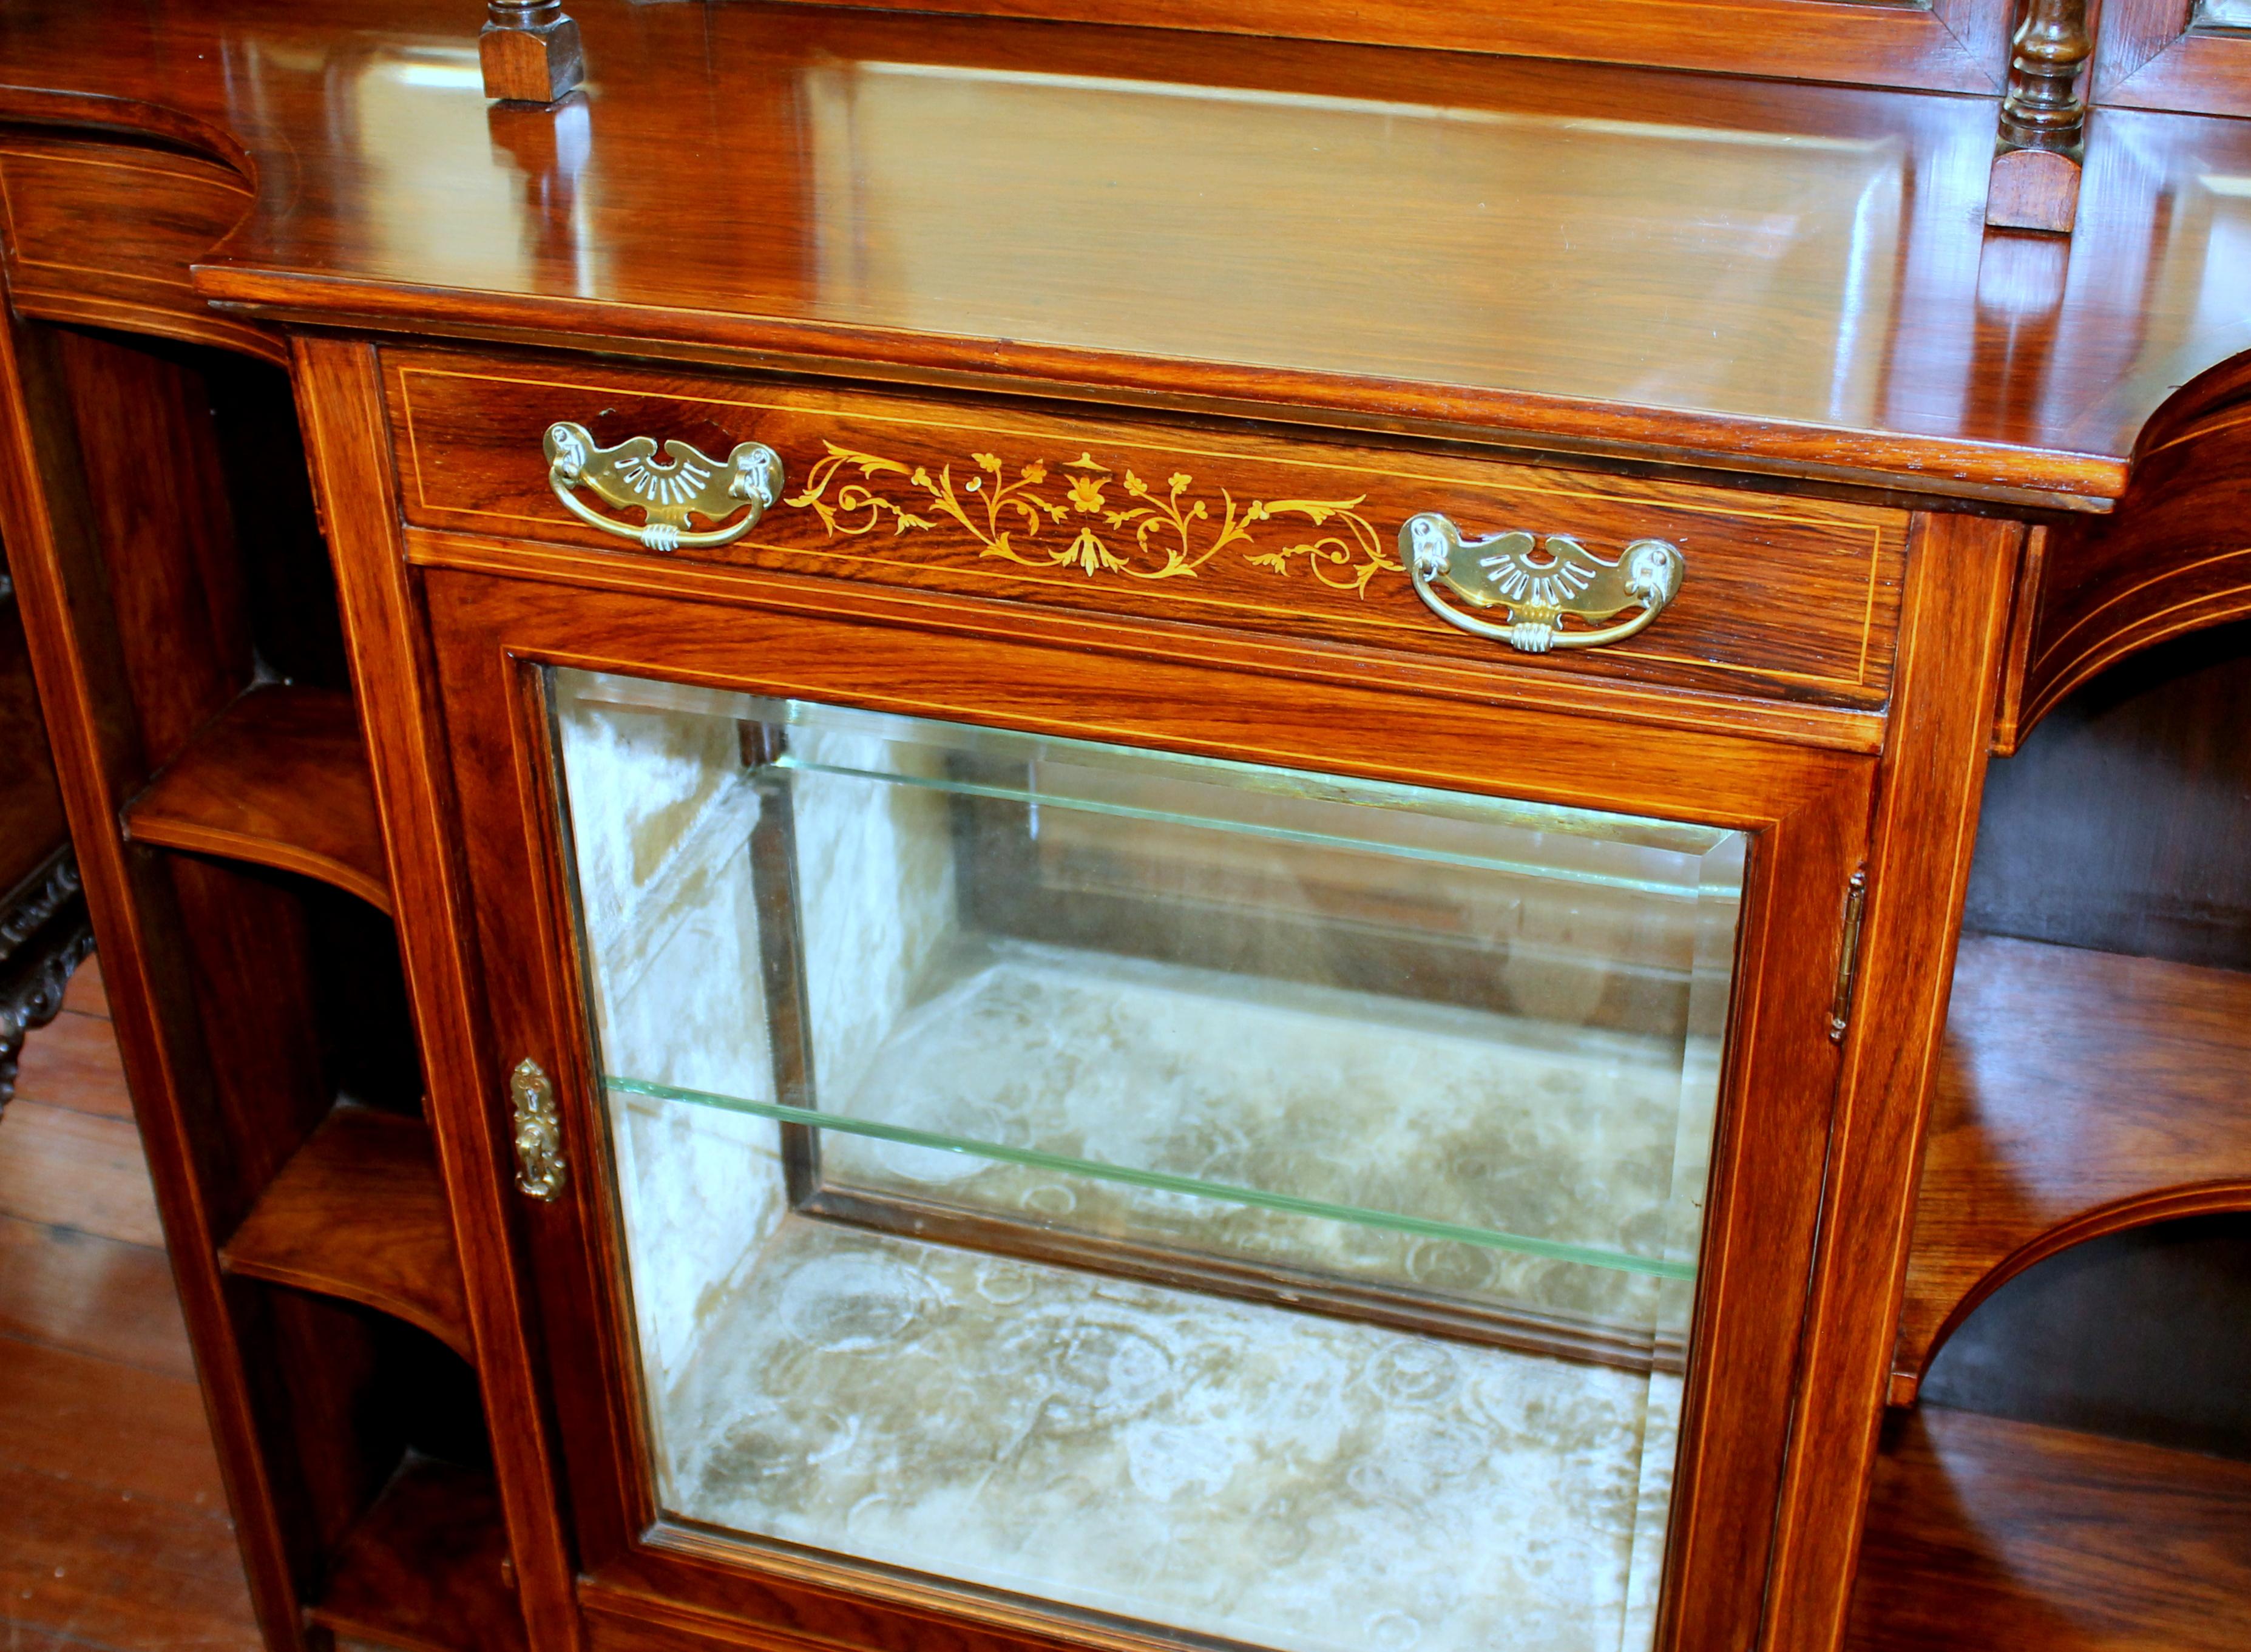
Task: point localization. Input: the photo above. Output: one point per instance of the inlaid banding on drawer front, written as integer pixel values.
(1785, 599)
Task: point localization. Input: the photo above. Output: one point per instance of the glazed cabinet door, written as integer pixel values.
(1025, 1145)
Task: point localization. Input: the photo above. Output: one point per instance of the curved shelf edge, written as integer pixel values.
(2079, 1094)
(191, 178)
(2169, 560)
(198, 838)
(359, 1213)
(189, 326)
(280, 778)
(100, 112)
(2141, 1210)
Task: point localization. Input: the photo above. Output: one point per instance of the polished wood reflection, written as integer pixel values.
(279, 778)
(1565, 253)
(1951, 46)
(1715, 297)
(2080, 1093)
(1986, 1533)
(359, 1213)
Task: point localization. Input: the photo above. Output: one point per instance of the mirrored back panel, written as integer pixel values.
(1247, 1203)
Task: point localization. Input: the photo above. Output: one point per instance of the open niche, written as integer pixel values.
(266, 1026)
(2082, 1262)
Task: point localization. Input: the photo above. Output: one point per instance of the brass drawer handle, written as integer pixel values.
(630, 475)
(1538, 586)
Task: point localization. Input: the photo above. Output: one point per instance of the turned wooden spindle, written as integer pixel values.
(530, 49)
(2035, 184)
(2043, 109)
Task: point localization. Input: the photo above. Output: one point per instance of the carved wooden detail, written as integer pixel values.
(44, 936)
(2035, 182)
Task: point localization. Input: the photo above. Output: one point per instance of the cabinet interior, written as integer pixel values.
(1015, 1128)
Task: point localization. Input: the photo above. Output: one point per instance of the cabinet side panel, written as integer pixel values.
(340, 400)
(88, 687)
(1931, 775)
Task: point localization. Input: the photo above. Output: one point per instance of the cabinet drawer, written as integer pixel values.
(1782, 598)
(104, 232)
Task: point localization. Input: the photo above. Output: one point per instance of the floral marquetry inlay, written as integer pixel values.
(1084, 514)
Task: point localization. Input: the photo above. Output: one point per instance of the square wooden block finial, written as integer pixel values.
(529, 52)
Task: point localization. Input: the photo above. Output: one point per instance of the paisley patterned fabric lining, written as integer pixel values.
(1239, 1470)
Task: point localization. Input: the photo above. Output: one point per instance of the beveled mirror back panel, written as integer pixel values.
(1951, 46)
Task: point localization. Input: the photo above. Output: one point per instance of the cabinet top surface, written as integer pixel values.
(1705, 266)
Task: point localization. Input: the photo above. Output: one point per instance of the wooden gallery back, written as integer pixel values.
(1138, 824)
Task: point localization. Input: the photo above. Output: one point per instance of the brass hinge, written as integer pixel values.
(1848, 956)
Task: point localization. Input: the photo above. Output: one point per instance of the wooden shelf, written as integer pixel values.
(2080, 1093)
(280, 778)
(1986, 1533)
(426, 1569)
(359, 1212)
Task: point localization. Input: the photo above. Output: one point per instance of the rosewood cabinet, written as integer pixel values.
(1083, 1063)
(971, 832)
(1115, 1133)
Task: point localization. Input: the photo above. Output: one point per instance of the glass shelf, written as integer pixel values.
(976, 1156)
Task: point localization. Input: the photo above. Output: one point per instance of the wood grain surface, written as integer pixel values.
(279, 778)
(79, 1054)
(2119, 826)
(426, 1569)
(62, 1159)
(74, 1288)
(358, 1211)
(2153, 54)
(1984, 1533)
(1667, 273)
(113, 1531)
(2176, 558)
(2079, 1093)
(1809, 807)
(1718, 270)
(341, 400)
(132, 567)
(1925, 828)
(1952, 45)
(103, 233)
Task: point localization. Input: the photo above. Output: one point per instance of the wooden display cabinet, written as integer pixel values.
(870, 882)
(1802, 814)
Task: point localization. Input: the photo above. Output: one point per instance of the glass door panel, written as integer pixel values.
(1246, 1202)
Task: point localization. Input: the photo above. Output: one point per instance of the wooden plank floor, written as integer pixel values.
(113, 1531)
